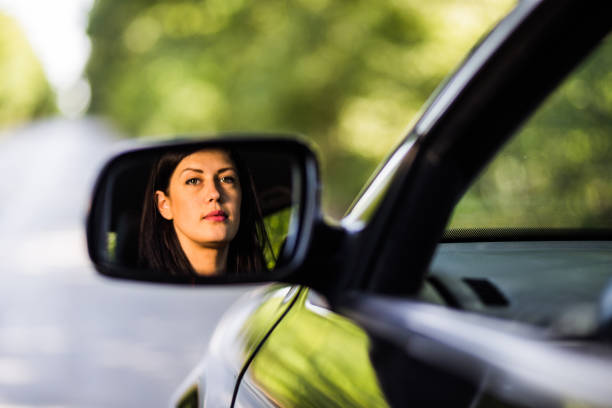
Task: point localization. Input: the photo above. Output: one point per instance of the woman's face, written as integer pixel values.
(203, 199)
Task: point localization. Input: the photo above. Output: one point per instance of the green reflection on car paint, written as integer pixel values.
(315, 358)
(263, 317)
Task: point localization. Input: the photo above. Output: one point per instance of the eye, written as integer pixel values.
(193, 181)
(228, 179)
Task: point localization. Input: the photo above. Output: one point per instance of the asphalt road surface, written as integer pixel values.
(69, 337)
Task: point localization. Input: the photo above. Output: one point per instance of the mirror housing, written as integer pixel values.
(281, 172)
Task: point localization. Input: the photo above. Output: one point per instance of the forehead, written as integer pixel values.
(209, 160)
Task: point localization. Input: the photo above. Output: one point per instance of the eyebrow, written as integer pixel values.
(202, 171)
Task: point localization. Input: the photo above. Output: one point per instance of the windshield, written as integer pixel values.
(556, 173)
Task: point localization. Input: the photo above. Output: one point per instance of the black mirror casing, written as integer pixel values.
(284, 174)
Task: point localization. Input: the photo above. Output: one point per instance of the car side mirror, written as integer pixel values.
(215, 211)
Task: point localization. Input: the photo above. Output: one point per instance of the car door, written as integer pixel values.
(314, 358)
(235, 341)
(305, 363)
(545, 283)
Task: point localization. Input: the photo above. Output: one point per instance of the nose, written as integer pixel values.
(213, 192)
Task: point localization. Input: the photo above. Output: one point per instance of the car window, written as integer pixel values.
(557, 171)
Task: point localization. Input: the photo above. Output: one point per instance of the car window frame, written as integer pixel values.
(461, 129)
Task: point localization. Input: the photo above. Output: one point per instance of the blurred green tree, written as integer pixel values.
(350, 75)
(25, 93)
(557, 171)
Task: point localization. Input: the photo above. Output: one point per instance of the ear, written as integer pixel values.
(163, 204)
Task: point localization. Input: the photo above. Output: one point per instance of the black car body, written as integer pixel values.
(388, 307)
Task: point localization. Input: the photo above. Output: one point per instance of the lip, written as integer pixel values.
(216, 215)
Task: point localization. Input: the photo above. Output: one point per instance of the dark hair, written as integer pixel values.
(159, 247)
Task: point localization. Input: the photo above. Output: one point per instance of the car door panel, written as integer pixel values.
(236, 339)
(507, 361)
(314, 358)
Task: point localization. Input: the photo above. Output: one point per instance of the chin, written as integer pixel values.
(215, 241)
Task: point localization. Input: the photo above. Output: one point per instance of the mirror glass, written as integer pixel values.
(188, 211)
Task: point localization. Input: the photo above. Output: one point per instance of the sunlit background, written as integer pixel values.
(348, 75)
(76, 75)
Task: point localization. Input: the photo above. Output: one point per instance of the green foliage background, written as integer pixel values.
(25, 93)
(557, 171)
(348, 74)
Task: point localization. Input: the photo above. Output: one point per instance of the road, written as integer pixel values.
(69, 337)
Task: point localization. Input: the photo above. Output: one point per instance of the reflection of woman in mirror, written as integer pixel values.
(201, 216)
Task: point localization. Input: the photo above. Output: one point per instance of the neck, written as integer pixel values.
(206, 261)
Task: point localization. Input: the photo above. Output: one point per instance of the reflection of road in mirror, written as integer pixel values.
(69, 337)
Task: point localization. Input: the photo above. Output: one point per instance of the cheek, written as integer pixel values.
(186, 210)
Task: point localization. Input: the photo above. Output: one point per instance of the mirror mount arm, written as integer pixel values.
(324, 264)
